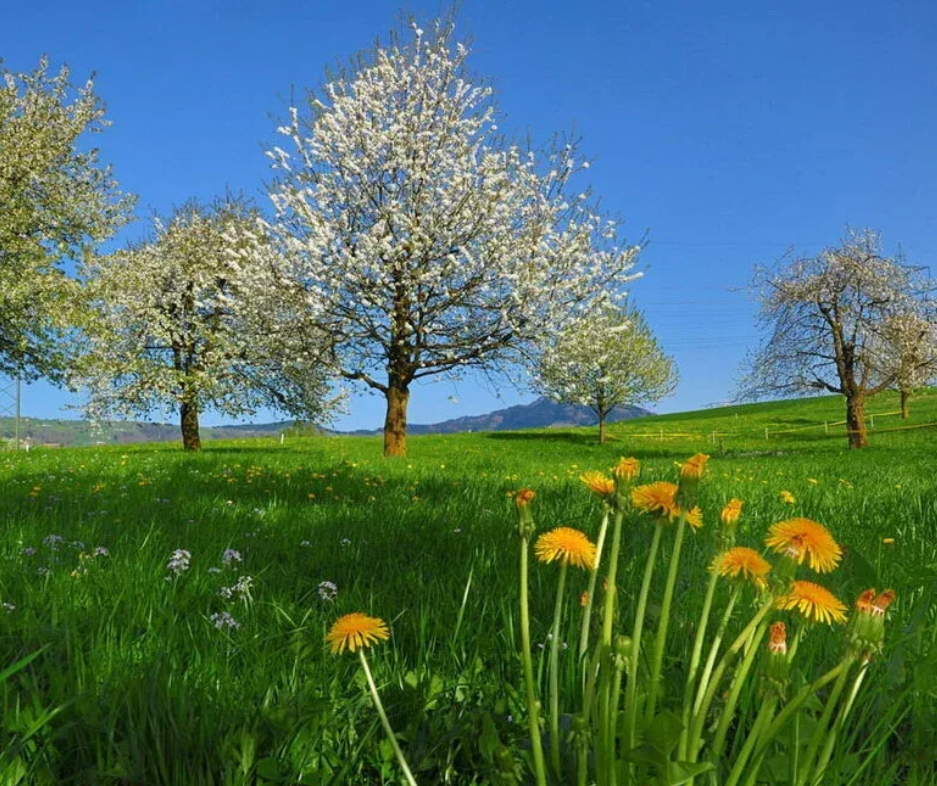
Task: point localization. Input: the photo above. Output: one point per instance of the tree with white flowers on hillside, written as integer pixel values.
(427, 243)
(605, 359)
(58, 202)
(179, 321)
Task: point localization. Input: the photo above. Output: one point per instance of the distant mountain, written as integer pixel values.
(541, 413)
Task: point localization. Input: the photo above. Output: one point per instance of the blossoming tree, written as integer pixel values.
(179, 321)
(428, 242)
(605, 359)
(57, 202)
(909, 351)
(828, 318)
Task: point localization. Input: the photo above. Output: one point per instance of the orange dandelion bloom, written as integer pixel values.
(695, 517)
(787, 497)
(882, 602)
(356, 631)
(657, 499)
(778, 638)
(524, 497)
(745, 563)
(626, 469)
(732, 512)
(693, 468)
(801, 539)
(598, 483)
(568, 545)
(816, 603)
(864, 601)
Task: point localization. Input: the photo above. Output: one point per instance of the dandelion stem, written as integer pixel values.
(742, 639)
(631, 691)
(728, 710)
(384, 722)
(590, 592)
(761, 722)
(695, 657)
(796, 703)
(660, 643)
(533, 712)
(554, 673)
(821, 731)
(838, 724)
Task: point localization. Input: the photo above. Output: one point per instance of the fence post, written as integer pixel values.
(714, 437)
(766, 433)
(872, 419)
(826, 426)
(661, 435)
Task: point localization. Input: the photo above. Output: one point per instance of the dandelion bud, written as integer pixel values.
(867, 631)
(621, 652)
(599, 484)
(525, 519)
(778, 665)
(626, 469)
(690, 473)
(731, 513)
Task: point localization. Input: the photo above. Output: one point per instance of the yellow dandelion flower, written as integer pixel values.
(356, 631)
(694, 517)
(693, 468)
(598, 483)
(787, 497)
(658, 499)
(626, 469)
(802, 538)
(888, 541)
(732, 512)
(568, 545)
(816, 603)
(745, 563)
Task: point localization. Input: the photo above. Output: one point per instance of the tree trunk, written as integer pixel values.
(188, 417)
(395, 421)
(855, 422)
(905, 403)
(601, 429)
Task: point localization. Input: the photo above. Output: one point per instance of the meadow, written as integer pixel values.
(175, 605)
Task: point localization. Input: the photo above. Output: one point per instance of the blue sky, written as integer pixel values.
(729, 131)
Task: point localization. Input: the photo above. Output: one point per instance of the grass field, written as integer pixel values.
(146, 675)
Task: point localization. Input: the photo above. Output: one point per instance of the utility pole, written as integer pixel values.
(11, 396)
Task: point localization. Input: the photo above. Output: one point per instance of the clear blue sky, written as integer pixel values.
(729, 130)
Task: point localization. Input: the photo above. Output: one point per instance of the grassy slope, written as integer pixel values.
(425, 543)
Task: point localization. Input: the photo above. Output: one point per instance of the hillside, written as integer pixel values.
(542, 413)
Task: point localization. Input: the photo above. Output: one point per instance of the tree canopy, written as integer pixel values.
(178, 321)
(827, 319)
(605, 359)
(57, 203)
(423, 240)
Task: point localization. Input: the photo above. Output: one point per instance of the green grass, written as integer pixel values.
(146, 690)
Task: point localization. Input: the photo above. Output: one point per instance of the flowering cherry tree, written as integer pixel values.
(909, 350)
(179, 321)
(57, 202)
(605, 359)
(425, 242)
(828, 319)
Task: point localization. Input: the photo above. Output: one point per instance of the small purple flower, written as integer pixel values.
(9, 608)
(179, 562)
(221, 620)
(327, 590)
(242, 589)
(100, 551)
(28, 551)
(53, 541)
(230, 556)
